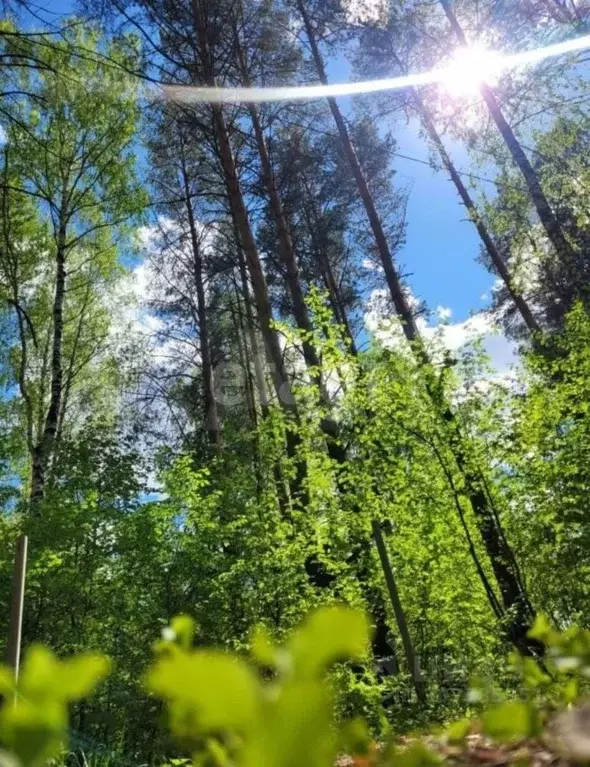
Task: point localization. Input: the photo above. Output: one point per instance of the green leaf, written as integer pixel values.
(38, 672)
(541, 628)
(329, 635)
(77, 677)
(295, 730)
(571, 691)
(183, 628)
(355, 737)
(458, 731)
(533, 674)
(34, 724)
(44, 676)
(33, 733)
(417, 756)
(6, 680)
(262, 648)
(511, 720)
(209, 691)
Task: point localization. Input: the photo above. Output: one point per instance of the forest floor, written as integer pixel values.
(478, 752)
(569, 734)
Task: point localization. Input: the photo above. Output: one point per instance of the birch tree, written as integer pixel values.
(71, 153)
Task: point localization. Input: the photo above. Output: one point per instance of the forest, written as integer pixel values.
(232, 387)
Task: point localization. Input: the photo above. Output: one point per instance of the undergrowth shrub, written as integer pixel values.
(276, 708)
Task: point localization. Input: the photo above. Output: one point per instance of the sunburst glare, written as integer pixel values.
(470, 67)
(463, 75)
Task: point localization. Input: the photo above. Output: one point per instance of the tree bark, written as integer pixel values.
(393, 282)
(42, 451)
(273, 349)
(210, 413)
(247, 244)
(486, 238)
(244, 357)
(292, 273)
(546, 215)
(281, 484)
(71, 371)
(516, 603)
(258, 366)
(241, 221)
(328, 276)
(286, 249)
(400, 616)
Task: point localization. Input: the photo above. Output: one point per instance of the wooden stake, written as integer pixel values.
(16, 606)
(400, 617)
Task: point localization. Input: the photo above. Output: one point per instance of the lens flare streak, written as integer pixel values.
(188, 94)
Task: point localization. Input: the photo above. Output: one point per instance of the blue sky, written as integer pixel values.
(440, 255)
(442, 246)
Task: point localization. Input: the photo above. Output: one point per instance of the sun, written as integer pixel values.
(469, 68)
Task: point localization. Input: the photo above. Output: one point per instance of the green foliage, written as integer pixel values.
(34, 716)
(222, 711)
(511, 720)
(545, 443)
(554, 682)
(277, 708)
(144, 516)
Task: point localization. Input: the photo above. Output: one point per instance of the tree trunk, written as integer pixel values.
(244, 357)
(258, 366)
(289, 259)
(71, 371)
(273, 349)
(204, 65)
(482, 230)
(400, 616)
(393, 282)
(43, 449)
(286, 248)
(286, 251)
(546, 215)
(329, 427)
(499, 552)
(281, 484)
(331, 284)
(211, 415)
(243, 229)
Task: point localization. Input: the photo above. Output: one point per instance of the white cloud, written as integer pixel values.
(152, 280)
(454, 336)
(138, 325)
(503, 353)
(371, 265)
(141, 281)
(366, 11)
(3, 136)
(444, 313)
